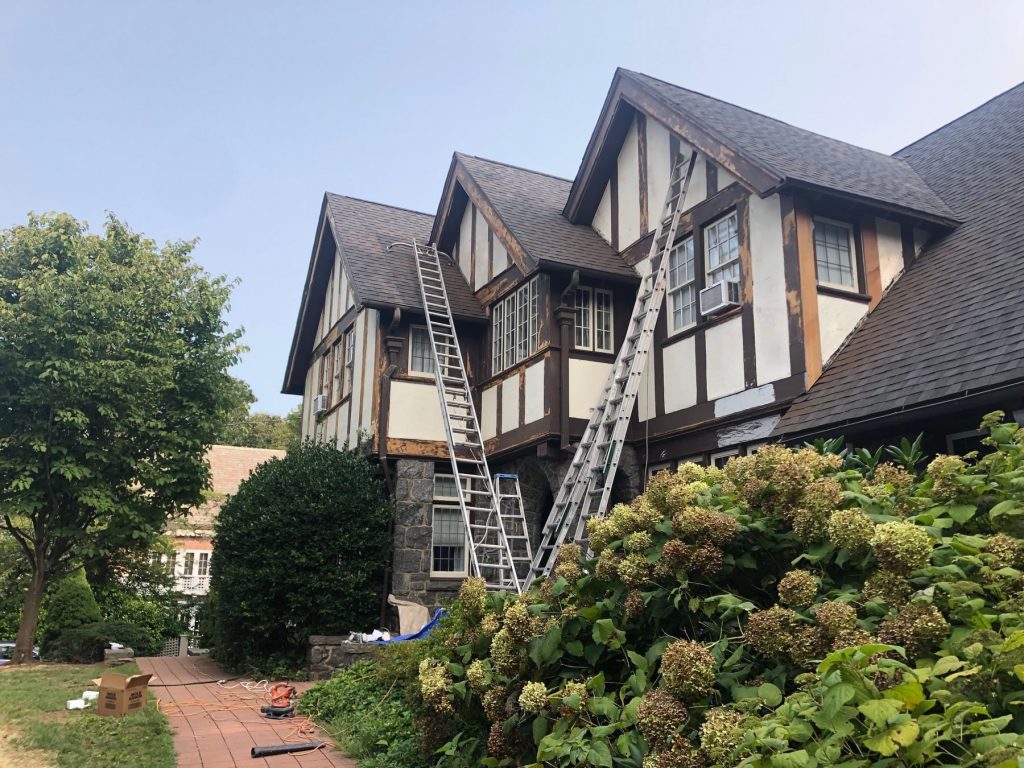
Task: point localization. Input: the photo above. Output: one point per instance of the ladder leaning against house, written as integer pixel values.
(587, 485)
(495, 524)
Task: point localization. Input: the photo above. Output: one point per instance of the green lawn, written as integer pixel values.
(32, 708)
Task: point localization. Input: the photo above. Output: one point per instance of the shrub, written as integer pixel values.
(71, 605)
(299, 550)
(901, 643)
(140, 639)
(80, 645)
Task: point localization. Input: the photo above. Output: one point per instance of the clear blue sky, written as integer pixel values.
(227, 120)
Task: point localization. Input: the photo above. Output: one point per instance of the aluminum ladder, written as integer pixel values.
(587, 486)
(489, 549)
(513, 518)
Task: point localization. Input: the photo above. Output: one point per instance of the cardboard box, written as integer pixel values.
(120, 694)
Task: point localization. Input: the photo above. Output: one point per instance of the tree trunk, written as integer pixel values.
(30, 615)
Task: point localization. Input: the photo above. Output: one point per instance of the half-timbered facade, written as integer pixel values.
(789, 242)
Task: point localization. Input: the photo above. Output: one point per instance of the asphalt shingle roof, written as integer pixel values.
(364, 230)
(953, 322)
(530, 203)
(804, 156)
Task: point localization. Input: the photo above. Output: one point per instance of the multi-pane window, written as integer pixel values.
(421, 360)
(448, 546)
(350, 360)
(336, 368)
(190, 562)
(514, 327)
(204, 564)
(722, 250)
(833, 253)
(593, 326)
(682, 286)
(583, 316)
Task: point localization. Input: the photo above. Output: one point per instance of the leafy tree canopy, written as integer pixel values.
(255, 429)
(113, 360)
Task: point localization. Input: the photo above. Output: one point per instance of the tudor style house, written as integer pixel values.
(815, 288)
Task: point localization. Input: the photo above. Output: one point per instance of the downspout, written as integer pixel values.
(392, 348)
(565, 316)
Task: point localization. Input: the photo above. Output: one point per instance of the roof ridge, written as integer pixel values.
(957, 119)
(381, 205)
(513, 166)
(763, 115)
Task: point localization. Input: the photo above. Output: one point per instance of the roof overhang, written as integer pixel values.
(625, 98)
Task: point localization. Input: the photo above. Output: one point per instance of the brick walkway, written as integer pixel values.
(220, 733)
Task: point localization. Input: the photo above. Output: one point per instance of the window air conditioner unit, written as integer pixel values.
(319, 403)
(719, 297)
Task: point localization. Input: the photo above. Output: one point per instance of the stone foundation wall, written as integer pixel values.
(327, 653)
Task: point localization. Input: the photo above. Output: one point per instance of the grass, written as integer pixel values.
(32, 706)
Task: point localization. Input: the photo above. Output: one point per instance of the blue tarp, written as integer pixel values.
(427, 628)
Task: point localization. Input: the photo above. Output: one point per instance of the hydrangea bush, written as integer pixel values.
(796, 608)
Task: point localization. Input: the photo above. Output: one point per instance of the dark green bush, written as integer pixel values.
(299, 550)
(71, 605)
(81, 645)
(140, 639)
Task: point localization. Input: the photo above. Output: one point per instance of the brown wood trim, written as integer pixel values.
(477, 196)
(499, 285)
(700, 361)
(711, 172)
(497, 404)
(522, 396)
(869, 253)
(641, 148)
(746, 293)
(909, 247)
(471, 277)
(791, 267)
(490, 255)
(362, 382)
(613, 194)
(401, 446)
(344, 323)
(808, 291)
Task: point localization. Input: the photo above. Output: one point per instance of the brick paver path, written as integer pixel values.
(220, 732)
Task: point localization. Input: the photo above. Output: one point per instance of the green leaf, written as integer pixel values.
(599, 755)
(947, 664)
(540, 729)
(879, 711)
(961, 512)
(639, 661)
(909, 692)
(770, 693)
(574, 648)
(603, 706)
(546, 649)
(596, 684)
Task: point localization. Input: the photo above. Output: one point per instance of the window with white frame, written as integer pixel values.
(722, 249)
(421, 359)
(336, 368)
(204, 564)
(834, 253)
(190, 561)
(448, 555)
(722, 458)
(514, 327)
(350, 360)
(682, 286)
(593, 324)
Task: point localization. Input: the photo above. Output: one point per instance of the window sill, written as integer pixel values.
(843, 293)
(710, 322)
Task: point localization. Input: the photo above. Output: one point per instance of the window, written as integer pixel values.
(721, 459)
(722, 250)
(448, 545)
(204, 564)
(682, 286)
(833, 253)
(584, 310)
(350, 361)
(190, 560)
(421, 359)
(514, 327)
(324, 380)
(593, 324)
(336, 368)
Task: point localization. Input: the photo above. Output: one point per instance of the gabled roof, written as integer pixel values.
(764, 153)
(952, 324)
(524, 209)
(362, 232)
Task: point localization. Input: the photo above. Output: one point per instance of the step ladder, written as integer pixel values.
(587, 486)
(490, 554)
(513, 518)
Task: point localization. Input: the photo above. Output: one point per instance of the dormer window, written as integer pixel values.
(834, 254)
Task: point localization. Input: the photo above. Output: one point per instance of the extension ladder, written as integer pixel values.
(513, 518)
(489, 550)
(587, 486)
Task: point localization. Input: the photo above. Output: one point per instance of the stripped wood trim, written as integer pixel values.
(791, 267)
(808, 291)
(869, 253)
(711, 173)
(746, 293)
(471, 277)
(641, 150)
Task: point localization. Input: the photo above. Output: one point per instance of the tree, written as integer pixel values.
(299, 550)
(113, 360)
(255, 429)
